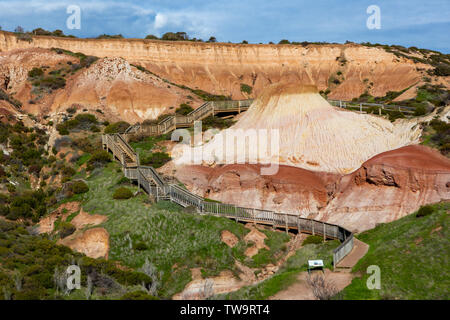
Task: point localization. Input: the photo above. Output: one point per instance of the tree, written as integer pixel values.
(41, 32)
(58, 33)
(244, 42)
(179, 36)
(284, 41)
(19, 29)
(212, 39)
(152, 37)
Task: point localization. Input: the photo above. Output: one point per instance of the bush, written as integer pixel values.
(35, 72)
(140, 246)
(156, 159)
(99, 157)
(313, 240)
(122, 193)
(246, 88)
(79, 187)
(424, 211)
(117, 127)
(137, 295)
(66, 229)
(420, 110)
(184, 109)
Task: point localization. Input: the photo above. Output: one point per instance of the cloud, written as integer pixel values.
(235, 20)
(196, 24)
(160, 21)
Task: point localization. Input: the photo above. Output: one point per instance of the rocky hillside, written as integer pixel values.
(312, 134)
(231, 70)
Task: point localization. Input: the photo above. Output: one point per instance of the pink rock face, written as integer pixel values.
(388, 187)
(292, 189)
(385, 188)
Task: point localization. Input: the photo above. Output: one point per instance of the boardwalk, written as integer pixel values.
(212, 108)
(148, 179)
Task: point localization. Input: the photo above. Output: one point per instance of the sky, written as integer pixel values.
(420, 23)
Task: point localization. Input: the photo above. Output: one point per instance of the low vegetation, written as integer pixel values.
(436, 134)
(143, 236)
(287, 274)
(34, 268)
(122, 193)
(83, 121)
(412, 253)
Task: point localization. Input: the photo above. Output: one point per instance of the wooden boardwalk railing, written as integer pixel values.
(207, 109)
(154, 185)
(214, 107)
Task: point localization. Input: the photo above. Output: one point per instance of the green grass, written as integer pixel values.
(144, 147)
(175, 241)
(413, 259)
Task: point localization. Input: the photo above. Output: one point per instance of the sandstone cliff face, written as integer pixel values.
(385, 188)
(290, 190)
(388, 187)
(220, 68)
(112, 85)
(309, 133)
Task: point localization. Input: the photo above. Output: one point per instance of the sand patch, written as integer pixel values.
(229, 238)
(257, 237)
(84, 219)
(93, 243)
(47, 224)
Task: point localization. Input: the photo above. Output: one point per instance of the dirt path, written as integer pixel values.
(359, 250)
(300, 290)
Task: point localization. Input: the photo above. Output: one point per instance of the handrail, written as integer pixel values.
(148, 178)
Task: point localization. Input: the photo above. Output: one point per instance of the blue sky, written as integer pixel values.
(425, 24)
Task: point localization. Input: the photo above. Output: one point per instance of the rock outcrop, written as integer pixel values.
(221, 68)
(113, 85)
(309, 132)
(388, 187)
(385, 188)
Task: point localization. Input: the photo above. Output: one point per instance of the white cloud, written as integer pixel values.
(160, 21)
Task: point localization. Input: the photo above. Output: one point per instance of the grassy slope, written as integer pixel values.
(412, 257)
(172, 237)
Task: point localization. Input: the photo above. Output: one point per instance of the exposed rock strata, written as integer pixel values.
(385, 188)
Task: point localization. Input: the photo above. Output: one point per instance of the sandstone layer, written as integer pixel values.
(221, 68)
(385, 188)
(112, 85)
(308, 133)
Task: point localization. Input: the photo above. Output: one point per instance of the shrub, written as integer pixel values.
(184, 109)
(246, 88)
(424, 211)
(156, 159)
(79, 186)
(35, 72)
(313, 240)
(137, 295)
(420, 110)
(122, 193)
(140, 246)
(66, 229)
(117, 127)
(99, 157)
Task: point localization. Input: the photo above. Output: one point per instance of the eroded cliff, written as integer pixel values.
(221, 68)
